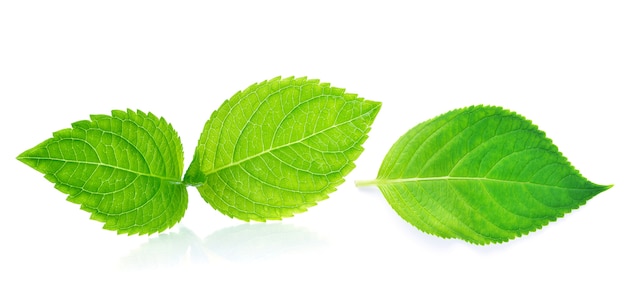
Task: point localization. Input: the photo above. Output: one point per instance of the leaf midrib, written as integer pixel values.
(170, 180)
(379, 182)
(271, 149)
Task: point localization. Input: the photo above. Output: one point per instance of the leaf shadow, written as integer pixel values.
(241, 243)
(253, 242)
(168, 250)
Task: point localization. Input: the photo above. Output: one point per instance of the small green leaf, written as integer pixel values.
(124, 169)
(279, 147)
(482, 174)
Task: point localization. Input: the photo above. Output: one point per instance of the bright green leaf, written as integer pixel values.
(279, 147)
(481, 174)
(124, 169)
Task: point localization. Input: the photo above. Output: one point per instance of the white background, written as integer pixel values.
(560, 63)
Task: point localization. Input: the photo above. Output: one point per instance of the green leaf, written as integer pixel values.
(124, 169)
(482, 174)
(279, 147)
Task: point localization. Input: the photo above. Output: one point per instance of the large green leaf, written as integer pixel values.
(124, 169)
(279, 147)
(481, 174)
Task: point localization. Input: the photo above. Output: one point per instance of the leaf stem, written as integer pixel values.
(188, 184)
(366, 183)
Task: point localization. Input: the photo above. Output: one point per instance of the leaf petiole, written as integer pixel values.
(365, 183)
